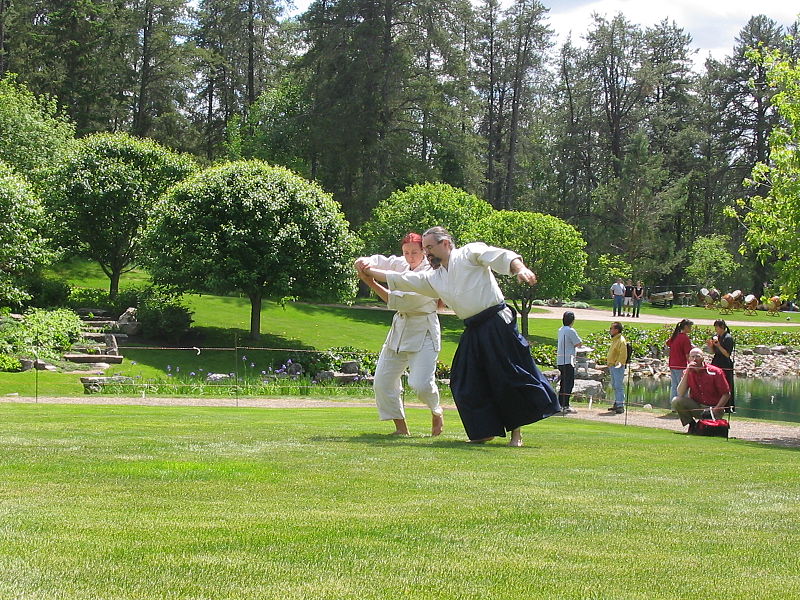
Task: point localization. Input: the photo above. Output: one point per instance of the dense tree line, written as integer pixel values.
(619, 137)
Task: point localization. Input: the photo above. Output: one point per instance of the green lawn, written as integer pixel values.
(222, 323)
(152, 502)
(84, 273)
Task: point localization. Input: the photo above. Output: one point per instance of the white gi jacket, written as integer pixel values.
(467, 285)
(416, 314)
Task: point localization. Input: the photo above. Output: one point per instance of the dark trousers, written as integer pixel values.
(496, 385)
(567, 381)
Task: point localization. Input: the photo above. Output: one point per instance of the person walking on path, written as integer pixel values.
(617, 296)
(679, 346)
(568, 341)
(722, 345)
(496, 385)
(616, 359)
(413, 342)
(638, 296)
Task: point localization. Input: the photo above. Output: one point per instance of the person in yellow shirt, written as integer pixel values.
(616, 359)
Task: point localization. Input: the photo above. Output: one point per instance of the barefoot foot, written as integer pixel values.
(437, 425)
(481, 441)
(516, 439)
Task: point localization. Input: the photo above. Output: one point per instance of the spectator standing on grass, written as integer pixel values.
(679, 346)
(413, 342)
(617, 296)
(496, 385)
(722, 345)
(638, 296)
(568, 341)
(701, 387)
(628, 298)
(616, 359)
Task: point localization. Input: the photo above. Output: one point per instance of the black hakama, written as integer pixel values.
(496, 385)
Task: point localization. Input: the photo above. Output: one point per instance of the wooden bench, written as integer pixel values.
(662, 299)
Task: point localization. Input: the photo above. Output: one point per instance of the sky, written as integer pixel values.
(713, 24)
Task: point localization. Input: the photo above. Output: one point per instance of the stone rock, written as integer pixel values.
(93, 385)
(129, 316)
(346, 377)
(324, 376)
(763, 350)
(590, 374)
(133, 328)
(747, 352)
(39, 364)
(294, 369)
(350, 367)
(111, 345)
(27, 364)
(779, 350)
(588, 388)
(217, 377)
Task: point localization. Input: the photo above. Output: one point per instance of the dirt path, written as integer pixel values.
(785, 435)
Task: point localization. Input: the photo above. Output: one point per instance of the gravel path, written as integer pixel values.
(785, 435)
(596, 314)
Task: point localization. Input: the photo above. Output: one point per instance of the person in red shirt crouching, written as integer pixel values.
(702, 386)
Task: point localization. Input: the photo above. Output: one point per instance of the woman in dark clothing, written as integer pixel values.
(638, 295)
(722, 344)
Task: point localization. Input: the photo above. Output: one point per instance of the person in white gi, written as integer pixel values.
(413, 342)
(496, 385)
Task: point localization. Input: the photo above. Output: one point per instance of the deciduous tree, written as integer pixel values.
(418, 208)
(250, 227)
(22, 247)
(104, 191)
(551, 248)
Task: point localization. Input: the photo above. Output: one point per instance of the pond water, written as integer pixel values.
(775, 399)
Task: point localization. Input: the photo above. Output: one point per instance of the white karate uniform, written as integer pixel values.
(467, 285)
(413, 343)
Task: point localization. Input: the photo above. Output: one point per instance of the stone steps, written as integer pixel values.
(93, 358)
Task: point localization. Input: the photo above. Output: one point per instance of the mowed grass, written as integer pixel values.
(153, 502)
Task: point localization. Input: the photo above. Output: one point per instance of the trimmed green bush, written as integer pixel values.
(9, 363)
(43, 333)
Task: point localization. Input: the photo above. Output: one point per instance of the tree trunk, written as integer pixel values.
(3, 60)
(251, 58)
(113, 289)
(140, 126)
(255, 315)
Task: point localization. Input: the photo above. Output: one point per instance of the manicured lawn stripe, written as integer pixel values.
(154, 502)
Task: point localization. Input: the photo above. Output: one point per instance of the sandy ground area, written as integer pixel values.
(785, 435)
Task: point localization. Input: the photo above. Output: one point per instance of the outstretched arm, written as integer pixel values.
(376, 287)
(377, 274)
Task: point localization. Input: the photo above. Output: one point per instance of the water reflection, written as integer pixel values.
(776, 399)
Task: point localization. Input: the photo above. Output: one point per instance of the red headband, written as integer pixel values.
(412, 238)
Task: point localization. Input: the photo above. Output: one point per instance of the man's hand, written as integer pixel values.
(523, 273)
(361, 263)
